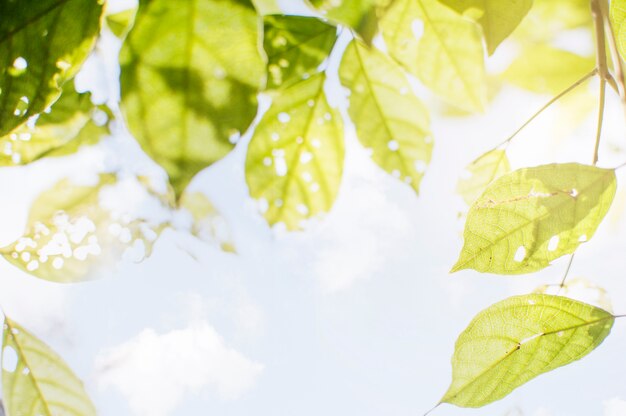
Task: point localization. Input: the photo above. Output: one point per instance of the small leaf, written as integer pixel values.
(120, 23)
(208, 224)
(448, 58)
(35, 380)
(71, 237)
(517, 339)
(498, 18)
(389, 118)
(545, 69)
(483, 171)
(69, 121)
(42, 45)
(528, 218)
(295, 158)
(266, 7)
(190, 75)
(618, 19)
(360, 15)
(295, 47)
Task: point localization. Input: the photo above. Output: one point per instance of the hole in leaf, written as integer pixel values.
(520, 254)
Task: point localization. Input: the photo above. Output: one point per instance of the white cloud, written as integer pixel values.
(615, 407)
(154, 371)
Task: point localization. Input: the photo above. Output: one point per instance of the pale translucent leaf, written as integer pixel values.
(545, 69)
(70, 236)
(208, 224)
(580, 289)
(618, 20)
(483, 171)
(42, 45)
(295, 47)
(528, 218)
(548, 19)
(498, 18)
(517, 339)
(36, 381)
(190, 75)
(265, 7)
(70, 121)
(120, 23)
(295, 158)
(448, 57)
(389, 119)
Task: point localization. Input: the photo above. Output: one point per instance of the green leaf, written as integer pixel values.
(190, 75)
(483, 171)
(618, 20)
(548, 19)
(208, 224)
(517, 339)
(265, 7)
(498, 18)
(448, 58)
(42, 45)
(528, 218)
(35, 380)
(389, 118)
(295, 158)
(70, 121)
(71, 236)
(296, 46)
(545, 69)
(120, 23)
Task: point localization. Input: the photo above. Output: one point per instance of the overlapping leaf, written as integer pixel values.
(482, 172)
(518, 339)
(190, 75)
(447, 57)
(42, 45)
(528, 218)
(295, 158)
(360, 15)
(295, 47)
(497, 18)
(35, 380)
(70, 236)
(390, 120)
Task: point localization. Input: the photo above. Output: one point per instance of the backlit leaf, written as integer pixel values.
(519, 338)
(71, 236)
(207, 223)
(618, 20)
(498, 18)
(190, 74)
(360, 15)
(120, 23)
(295, 47)
(390, 120)
(42, 45)
(35, 380)
(482, 171)
(528, 218)
(448, 56)
(295, 158)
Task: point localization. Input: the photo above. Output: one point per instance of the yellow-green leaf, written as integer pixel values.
(390, 120)
(360, 15)
(517, 339)
(448, 57)
(190, 74)
(295, 47)
(35, 380)
(71, 237)
(295, 158)
(498, 18)
(548, 70)
(120, 23)
(618, 20)
(482, 172)
(528, 218)
(207, 223)
(265, 7)
(42, 45)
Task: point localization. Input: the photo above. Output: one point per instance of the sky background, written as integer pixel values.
(356, 315)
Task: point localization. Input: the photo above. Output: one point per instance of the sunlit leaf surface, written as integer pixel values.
(528, 218)
(518, 339)
(360, 15)
(482, 172)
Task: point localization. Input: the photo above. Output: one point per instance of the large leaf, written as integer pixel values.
(389, 118)
(70, 120)
(517, 339)
(498, 18)
(42, 44)
(70, 236)
(448, 57)
(295, 158)
(528, 218)
(295, 47)
(482, 172)
(618, 19)
(190, 74)
(35, 380)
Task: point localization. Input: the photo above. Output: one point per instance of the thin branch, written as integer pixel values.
(618, 64)
(596, 150)
(569, 267)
